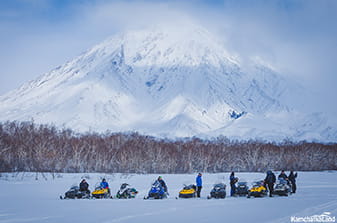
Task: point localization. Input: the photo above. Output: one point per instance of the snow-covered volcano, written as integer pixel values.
(166, 82)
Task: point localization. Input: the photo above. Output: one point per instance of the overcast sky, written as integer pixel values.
(298, 37)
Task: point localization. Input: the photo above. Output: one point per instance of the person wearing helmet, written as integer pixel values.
(162, 182)
(270, 181)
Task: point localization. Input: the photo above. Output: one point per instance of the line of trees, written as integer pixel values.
(25, 146)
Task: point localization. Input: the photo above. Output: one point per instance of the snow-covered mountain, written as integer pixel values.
(166, 82)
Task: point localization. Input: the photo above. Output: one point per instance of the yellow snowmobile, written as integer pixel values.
(188, 191)
(258, 190)
(100, 192)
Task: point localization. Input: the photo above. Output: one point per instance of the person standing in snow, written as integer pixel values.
(292, 178)
(232, 182)
(270, 181)
(199, 184)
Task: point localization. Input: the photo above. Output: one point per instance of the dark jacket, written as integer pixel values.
(282, 175)
(270, 178)
(199, 181)
(163, 184)
(84, 186)
(232, 179)
(292, 177)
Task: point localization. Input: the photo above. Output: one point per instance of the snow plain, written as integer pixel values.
(31, 197)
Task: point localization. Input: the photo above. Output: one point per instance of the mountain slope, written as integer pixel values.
(166, 82)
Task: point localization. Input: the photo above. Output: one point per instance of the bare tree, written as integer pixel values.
(25, 146)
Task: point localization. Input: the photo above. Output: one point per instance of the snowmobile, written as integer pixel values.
(258, 189)
(282, 187)
(241, 189)
(75, 193)
(218, 191)
(126, 192)
(188, 191)
(157, 191)
(100, 192)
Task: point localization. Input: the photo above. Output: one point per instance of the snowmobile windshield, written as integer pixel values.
(98, 186)
(74, 187)
(282, 181)
(257, 183)
(219, 185)
(124, 186)
(156, 184)
(242, 183)
(187, 187)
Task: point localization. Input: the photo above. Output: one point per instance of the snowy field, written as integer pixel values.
(35, 198)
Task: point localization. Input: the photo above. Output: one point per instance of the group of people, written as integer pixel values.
(198, 184)
(84, 186)
(269, 181)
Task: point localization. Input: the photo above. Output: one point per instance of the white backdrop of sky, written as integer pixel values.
(297, 37)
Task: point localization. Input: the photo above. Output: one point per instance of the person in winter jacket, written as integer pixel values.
(104, 184)
(270, 181)
(199, 184)
(84, 186)
(232, 182)
(163, 184)
(292, 178)
(283, 175)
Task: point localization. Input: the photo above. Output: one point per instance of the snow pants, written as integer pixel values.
(198, 190)
(232, 190)
(271, 189)
(293, 185)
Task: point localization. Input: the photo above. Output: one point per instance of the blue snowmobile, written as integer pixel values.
(157, 191)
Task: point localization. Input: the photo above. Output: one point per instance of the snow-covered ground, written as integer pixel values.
(23, 198)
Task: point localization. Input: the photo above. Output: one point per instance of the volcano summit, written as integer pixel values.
(171, 82)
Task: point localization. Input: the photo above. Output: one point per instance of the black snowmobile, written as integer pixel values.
(126, 192)
(241, 189)
(75, 193)
(218, 191)
(282, 187)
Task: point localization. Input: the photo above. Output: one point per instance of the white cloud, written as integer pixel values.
(298, 37)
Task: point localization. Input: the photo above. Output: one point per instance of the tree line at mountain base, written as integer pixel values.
(25, 146)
